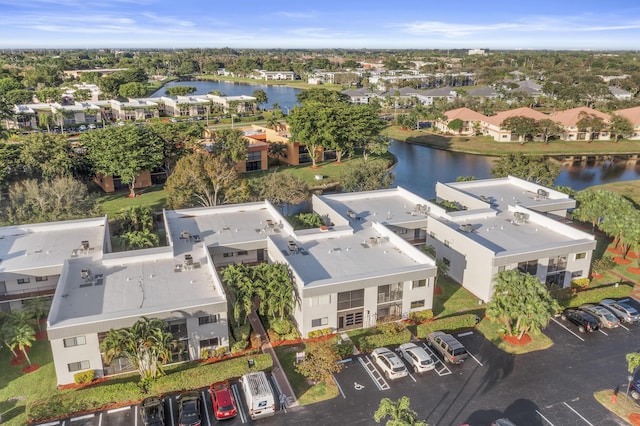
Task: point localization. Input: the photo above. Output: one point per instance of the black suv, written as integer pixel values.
(152, 411)
(584, 321)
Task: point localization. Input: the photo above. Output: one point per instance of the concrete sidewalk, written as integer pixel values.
(278, 373)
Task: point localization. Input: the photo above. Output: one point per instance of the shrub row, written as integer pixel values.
(127, 389)
(447, 324)
(580, 283)
(594, 295)
(388, 334)
(84, 377)
(421, 316)
(319, 333)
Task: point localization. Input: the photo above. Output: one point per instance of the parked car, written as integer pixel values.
(82, 128)
(503, 422)
(606, 317)
(389, 363)
(634, 390)
(622, 310)
(224, 404)
(417, 357)
(189, 409)
(152, 411)
(448, 346)
(92, 126)
(583, 320)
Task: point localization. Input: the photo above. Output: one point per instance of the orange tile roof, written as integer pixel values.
(570, 117)
(518, 112)
(464, 114)
(631, 114)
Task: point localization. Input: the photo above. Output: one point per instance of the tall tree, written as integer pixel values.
(200, 179)
(180, 90)
(366, 176)
(534, 168)
(230, 144)
(549, 129)
(23, 336)
(620, 127)
(312, 125)
(261, 96)
(525, 128)
(521, 303)
(320, 362)
(38, 307)
(179, 139)
(132, 90)
(147, 344)
(284, 189)
(47, 156)
(400, 413)
(590, 124)
(124, 151)
(633, 361)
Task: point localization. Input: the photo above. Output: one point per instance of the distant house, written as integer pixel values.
(620, 94)
(276, 75)
(484, 93)
(492, 126)
(569, 119)
(633, 115)
(471, 121)
(360, 96)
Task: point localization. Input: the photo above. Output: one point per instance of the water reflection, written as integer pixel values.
(420, 168)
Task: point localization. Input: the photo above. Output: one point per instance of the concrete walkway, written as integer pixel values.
(278, 374)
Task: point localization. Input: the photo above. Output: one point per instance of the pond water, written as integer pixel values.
(282, 95)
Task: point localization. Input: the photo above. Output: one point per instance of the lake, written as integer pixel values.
(285, 96)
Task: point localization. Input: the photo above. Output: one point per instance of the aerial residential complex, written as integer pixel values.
(363, 266)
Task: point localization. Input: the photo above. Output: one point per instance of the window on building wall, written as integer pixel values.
(39, 279)
(350, 299)
(228, 254)
(556, 264)
(74, 341)
(417, 304)
(77, 366)
(528, 267)
(419, 283)
(501, 268)
(254, 161)
(209, 343)
(243, 253)
(446, 261)
(208, 319)
(320, 300)
(389, 292)
(24, 280)
(581, 256)
(556, 278)
(576, 274)
(319, 322)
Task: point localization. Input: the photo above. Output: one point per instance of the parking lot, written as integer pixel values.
(130, 415)
(552, 387)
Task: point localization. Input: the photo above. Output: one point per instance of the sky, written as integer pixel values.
(373, 24)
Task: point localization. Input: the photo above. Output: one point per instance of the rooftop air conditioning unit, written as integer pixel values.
(85, 273)
(467, 227)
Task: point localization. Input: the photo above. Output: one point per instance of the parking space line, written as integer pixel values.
(476, 359)
(380, 382)
(338, 385)
(624, 326)
(239, 403)
(135, 415)
(206, 407)
(100, 420)
(437, 361)
(467, 333)
(50, 424)
(578, 414)
(544, 418)
(171, 410)
(600, 330)
(412, 378)
(117, 410)
(85, 417)
(562, 325)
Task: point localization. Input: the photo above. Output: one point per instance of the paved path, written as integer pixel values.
(278, 373)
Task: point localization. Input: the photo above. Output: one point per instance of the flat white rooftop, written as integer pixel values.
(117, 289)
(369, 253)
(29, 247)
(223, 225)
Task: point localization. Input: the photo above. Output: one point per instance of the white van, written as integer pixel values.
(258, 395)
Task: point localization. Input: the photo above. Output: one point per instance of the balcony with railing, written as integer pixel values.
(27, 293)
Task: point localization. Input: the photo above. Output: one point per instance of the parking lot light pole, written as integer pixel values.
(629, 379)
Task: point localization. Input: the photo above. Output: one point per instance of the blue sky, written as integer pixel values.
(426, 24)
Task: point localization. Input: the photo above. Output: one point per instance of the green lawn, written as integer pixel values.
(453, 299)
(18, 389)
(624, 405)
(154, 197)
(491, 331)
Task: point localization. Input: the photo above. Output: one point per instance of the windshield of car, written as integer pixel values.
(426, 362)
(189, 411)
(459, 351)
(398, 369)
(225, 408)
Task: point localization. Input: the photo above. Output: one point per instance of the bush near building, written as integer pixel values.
(391, 333)
(447, 324)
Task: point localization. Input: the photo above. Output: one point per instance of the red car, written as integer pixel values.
(224, 406)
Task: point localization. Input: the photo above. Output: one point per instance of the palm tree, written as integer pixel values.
(23, 336)
(279, 291)
(400, 412)
(147, 344)
(38, 307)
(45, 120)
(133, 240)
(135, 219)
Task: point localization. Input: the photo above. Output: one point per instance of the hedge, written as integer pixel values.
(127, 389)
(389, 334)
(319, 333)
(84, 376)
(447, 324)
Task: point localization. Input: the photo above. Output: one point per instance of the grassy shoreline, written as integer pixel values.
(485, 145)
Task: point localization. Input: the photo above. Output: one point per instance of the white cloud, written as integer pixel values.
(297, 15)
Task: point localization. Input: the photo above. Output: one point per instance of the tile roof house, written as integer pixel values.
(633, 115)
(491, 126)
(569, 120)
(471, 121)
